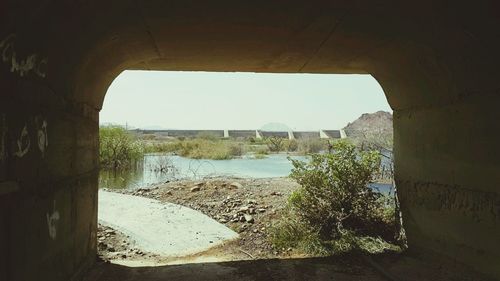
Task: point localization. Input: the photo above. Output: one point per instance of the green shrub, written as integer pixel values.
(209, 149)
(207, 136)
(199, 148)
(235, 149)
(260, 156)
(334, 189)
(256, 148)
(275, 144)
(292, 232)
(163, 147)
(311, 145)
(292, 145)
(334, 210)
(118, 148)
(148, 137)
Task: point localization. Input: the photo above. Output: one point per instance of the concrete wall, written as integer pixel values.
(306, 135)
(333, 134)
(49, 154)
(437, 63)
(242, 134)
(238, 133)
(266, 134)
(186, 133)
(448, 180)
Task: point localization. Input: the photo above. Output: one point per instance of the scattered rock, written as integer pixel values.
(242, 229)
(236, 185)
(249, 218)
(242, 204)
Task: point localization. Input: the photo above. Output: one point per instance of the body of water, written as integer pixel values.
(274, 165)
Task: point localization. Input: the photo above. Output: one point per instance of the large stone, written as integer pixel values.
(248, 218)
(236, 185)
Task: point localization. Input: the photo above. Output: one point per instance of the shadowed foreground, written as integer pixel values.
(401, 267)
(275, 269)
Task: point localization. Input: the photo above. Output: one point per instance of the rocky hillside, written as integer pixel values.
(372, 127)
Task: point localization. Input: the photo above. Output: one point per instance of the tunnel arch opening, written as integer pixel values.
(437, 64)
(252, 100)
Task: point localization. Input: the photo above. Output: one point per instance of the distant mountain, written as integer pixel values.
(374, 127)
(275, 127)
(377, 121)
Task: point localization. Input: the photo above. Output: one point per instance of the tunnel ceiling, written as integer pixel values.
(89, 43)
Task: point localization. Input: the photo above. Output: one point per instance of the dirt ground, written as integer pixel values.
(248, 206)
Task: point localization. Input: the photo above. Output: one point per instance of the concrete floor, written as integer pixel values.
(350, 267)
(338, 269)
(165, 229)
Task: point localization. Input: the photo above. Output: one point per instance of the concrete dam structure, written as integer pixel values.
(436, 61)
(244, 134)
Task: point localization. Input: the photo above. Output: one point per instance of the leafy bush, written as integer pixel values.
(235, 149)
(334, 209)
(167, 146)
(199, 148)
(264, 150)
(292, 145)
(311, 145)
(148, 137)
(275, 144)
(207, 136)
(118, 148)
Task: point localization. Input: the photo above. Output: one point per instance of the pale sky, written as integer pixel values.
(235, 100)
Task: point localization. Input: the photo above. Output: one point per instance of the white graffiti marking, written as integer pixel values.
(52, 220)
(19, 65)
(23, 143)
(3, 132)
(43, 140)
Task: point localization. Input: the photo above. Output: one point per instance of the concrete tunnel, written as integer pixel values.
(437, 61)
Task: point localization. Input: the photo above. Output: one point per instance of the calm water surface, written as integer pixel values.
(275, 165)
(147, 174)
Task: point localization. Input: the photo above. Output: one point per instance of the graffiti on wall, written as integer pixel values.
(52, 219)
(23, 142)
(43, 139)
(21, 65)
